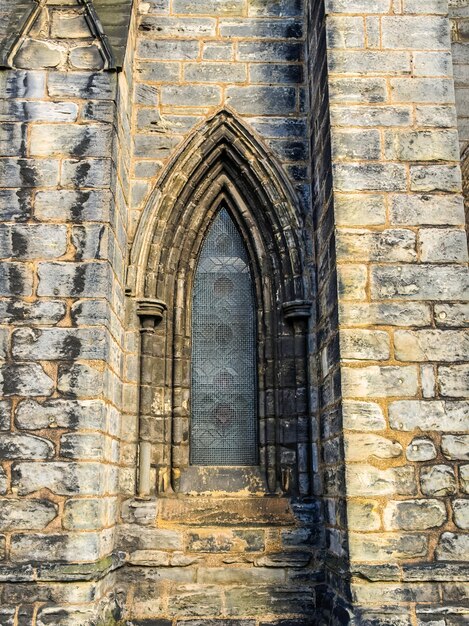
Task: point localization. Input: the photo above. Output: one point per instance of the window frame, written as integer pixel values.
(253, 314)
(224, 161)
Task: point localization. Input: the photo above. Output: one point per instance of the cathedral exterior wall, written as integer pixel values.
(355, 102)
(395, 170)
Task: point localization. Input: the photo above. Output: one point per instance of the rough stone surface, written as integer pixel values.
(330, 131)
(414, 515)
(438, 480)
(26, 514)
(421, 449)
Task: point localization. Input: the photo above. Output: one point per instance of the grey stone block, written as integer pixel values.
(54, 547)
(26, 173)
(74, 206)
(84, 514)
(146, 94)
(86, 85)
(275, 599)
(158, 72)
(25, 380)
(438, 480)
(79, 141)
(91, 241)
(3, 482)
(62, 478)
(280, 8)
(215, 73)
(197, 95)
(279, 127)
(5, 411)
(259, 29)
(34, 54)
(65, 344)
(438, 415)
(159, 26)
(22, 84)
(210, 7)
(33, 514)
(36, 111)
(269, 51)
(83, 446)
(461, 513)
(222, 541)
(66, 25)
(454, 381)
(80, 380)
(68, 616)
(176, 50)
(7, 614)
(159, 146)
(12, 139)
(411, 282)
(32, 242)
(414, 514)
(87, 57)
(421, 449)
(272, 73)
(15, 205)
(18, 446)
(94, 173)
(90, 313)
(455, 447)
(452, 547)
(99, 111)
(142, 538)
(74, 279)
(266, 100)
(17, 312)
(69, 414)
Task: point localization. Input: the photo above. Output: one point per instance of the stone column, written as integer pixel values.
(402, 280)
(150, 311)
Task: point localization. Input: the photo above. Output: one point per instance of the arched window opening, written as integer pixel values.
(224, 370)
(222, 278)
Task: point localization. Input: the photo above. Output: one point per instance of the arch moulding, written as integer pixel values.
(222, 164)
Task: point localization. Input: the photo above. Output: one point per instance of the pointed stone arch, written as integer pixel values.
(224, 164)
(25, 15)
(223, 154)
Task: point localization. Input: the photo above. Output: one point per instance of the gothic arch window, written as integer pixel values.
(224, 214)
(223, 361)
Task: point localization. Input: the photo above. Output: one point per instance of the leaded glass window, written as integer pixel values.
(224, 389)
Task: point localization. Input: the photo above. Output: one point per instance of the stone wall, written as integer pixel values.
(189, 558)
(334, 596)
(401, 255)
(355, 103)
(459, 16)
(63, 244)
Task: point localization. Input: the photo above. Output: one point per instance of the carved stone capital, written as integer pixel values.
(150, 312)
(297, 310)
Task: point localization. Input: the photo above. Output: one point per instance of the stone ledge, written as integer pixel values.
(227, 511)
(62, 572)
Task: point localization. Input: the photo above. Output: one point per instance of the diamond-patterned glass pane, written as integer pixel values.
(223, 396)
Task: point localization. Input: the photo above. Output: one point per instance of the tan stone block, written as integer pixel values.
(369, 345)
(379, 381)
(387, 546)
(414, 514)
(353, 280)
(363, 515)
(361, 447)
(367, 480)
